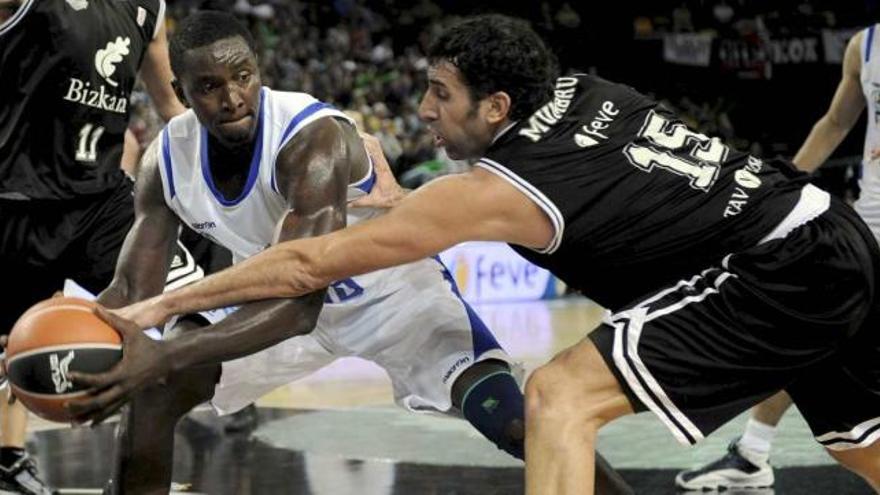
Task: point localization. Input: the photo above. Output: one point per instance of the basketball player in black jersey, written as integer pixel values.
(67, 69)
(728, 277)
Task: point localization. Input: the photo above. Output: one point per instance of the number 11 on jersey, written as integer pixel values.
(87, 145)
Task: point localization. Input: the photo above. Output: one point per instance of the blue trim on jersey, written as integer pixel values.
(302, 115)
(869, 43)
(295, 121)
(254, 171)
(368, 184)
(481, 336)
(169, 170)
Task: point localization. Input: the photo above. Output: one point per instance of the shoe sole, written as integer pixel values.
(753, 485)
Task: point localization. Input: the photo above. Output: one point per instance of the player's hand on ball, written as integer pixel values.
(144, 362)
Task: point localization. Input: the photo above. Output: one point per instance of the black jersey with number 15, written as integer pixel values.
(67, 69)
(638, 200)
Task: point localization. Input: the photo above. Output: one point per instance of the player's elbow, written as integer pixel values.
(307, 314)
(835, 124)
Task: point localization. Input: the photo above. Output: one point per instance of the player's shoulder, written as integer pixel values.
(287, 103)
(183, 126)
(291, 112)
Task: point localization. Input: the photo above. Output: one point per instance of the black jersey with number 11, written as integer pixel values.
(637, 199)
(67, 69)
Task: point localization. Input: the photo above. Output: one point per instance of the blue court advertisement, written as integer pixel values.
(490, 272)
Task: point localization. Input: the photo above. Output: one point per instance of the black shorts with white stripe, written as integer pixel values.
(798, 313)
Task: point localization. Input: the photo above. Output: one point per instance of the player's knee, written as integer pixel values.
(552, 396)
(546, 391)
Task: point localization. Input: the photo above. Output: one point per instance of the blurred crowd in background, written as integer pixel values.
(367, 57)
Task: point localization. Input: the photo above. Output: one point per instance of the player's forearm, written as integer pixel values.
(268, 275)
(113, 297)
(123, 291)
(246, 331)
(824, 138)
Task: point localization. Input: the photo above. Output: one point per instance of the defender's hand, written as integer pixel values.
(386, 192)
(144, 362)
(145, 314)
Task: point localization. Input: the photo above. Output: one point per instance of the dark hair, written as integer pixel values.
(498, 53)
(202, 29)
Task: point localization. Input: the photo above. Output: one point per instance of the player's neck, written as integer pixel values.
(227, 161)
(502, 128)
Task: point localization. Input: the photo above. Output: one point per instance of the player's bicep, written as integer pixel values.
(313, 173)
(467, 207)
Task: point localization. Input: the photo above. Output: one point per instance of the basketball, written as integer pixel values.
(51, 339)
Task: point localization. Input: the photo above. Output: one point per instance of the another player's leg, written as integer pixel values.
(747, 462)
(865, 462)
(490, 399)
(567, 401)
(18, 470)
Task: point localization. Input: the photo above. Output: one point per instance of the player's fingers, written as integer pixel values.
(108, 412)
(96, 382)
(86, 409)
(120, 324)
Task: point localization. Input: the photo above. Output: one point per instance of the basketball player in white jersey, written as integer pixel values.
(746, 463)
(248, 166)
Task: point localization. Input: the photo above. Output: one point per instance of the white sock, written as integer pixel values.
(757, 439)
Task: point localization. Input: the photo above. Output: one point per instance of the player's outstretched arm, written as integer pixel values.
(846, 105)
(476, 205)
(146, 254)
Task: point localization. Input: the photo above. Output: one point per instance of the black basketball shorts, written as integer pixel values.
(798, 313)
(43, 242)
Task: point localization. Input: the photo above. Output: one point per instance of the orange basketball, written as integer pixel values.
(48, 341)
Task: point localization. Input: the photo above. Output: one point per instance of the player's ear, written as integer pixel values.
(499, 107)
(178, 90)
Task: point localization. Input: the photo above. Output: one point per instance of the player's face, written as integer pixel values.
(222, 85)
(458, 123)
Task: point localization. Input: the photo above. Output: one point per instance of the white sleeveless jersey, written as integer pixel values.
(248, 224)
(868, 204)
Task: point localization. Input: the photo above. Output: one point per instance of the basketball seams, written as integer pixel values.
(61, 348)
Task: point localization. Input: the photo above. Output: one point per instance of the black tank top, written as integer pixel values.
(67, 69)
(638, 200)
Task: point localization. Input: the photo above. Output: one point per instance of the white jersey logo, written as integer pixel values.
(78, 4)
(59, 371)
(112, 54)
